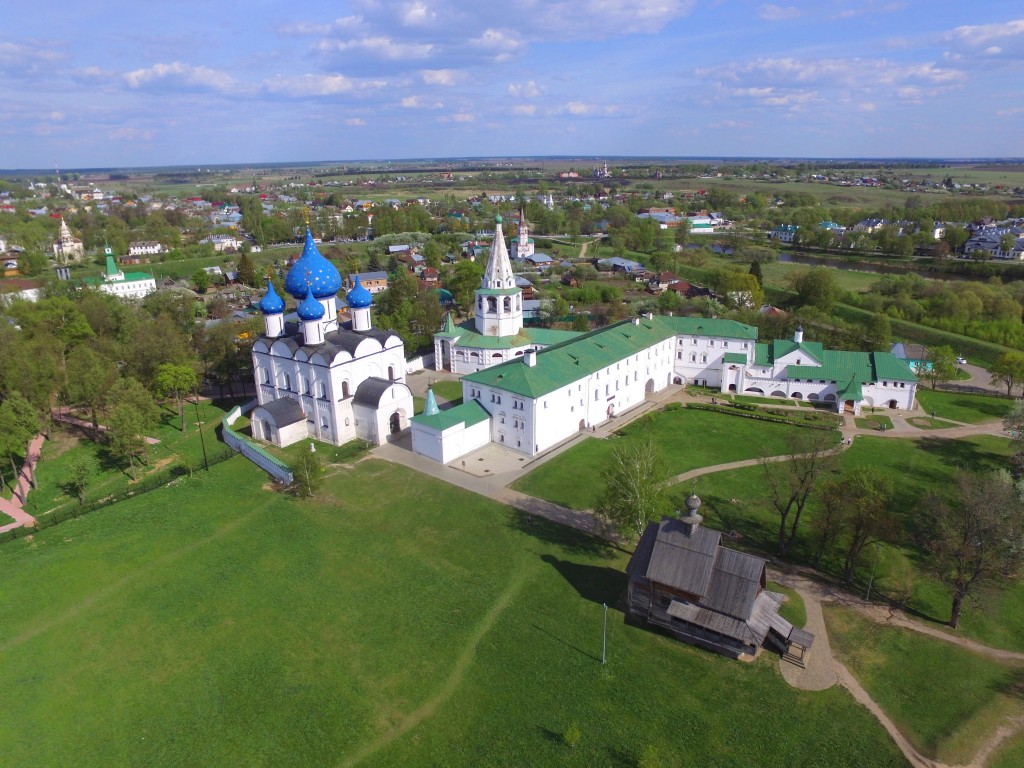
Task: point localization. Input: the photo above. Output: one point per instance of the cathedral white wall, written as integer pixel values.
(321, 390)
(450, 444)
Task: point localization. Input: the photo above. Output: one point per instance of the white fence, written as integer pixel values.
(254, 453)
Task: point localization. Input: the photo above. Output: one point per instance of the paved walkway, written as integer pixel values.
(820, 672)
(13, 508)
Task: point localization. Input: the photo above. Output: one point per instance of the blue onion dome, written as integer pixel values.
(271, 303)
(314, 272)
(310, 308)
(358, 297)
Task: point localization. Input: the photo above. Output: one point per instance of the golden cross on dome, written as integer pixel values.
(305, 215)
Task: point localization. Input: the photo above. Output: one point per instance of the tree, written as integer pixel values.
(246, 270)
(634, 488)
(879, 334)
(177, 381)
(129, 391)
(975, 537)
(18, 424)
(308, 474)
(791, 482)
(755, 270)
(462, 281)
(867, 516)
(817, 288)
(1008, 369)
(939, 365)
(77, 477)
(124, 430)
(201, 280)
(90, 377)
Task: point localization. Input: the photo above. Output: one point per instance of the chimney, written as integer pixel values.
(649, 315)
(636, 321)
(798, 335)
(530, 358)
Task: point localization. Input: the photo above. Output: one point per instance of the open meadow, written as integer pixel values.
(394, 620)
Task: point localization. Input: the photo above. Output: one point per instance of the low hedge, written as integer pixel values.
(755, 413)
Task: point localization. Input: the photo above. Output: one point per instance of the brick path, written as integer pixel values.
(13, 508)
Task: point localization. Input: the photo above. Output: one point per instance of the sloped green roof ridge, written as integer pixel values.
(466, 413)
(560, 365)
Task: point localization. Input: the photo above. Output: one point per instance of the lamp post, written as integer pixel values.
(199, 424)
(874, 565)
(604, 636)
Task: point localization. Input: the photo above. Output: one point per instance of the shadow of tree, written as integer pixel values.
(567, 538)
(595, 583)
(961, 453)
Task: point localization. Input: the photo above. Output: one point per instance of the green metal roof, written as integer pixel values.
(469, 338)
(708, 326)
(836, 365)
(562, 364)
(450, 330)
(466, 413)
(498, 291)
(734, 357)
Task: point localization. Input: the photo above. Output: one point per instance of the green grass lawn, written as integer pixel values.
(926, 422)
(687, 439)
(448, 390)
(875, 421)
(793, 610)
(396, 620)
(946, 716)
(970, 409)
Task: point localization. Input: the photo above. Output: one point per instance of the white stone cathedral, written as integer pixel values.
(67, 247)
(321, 378)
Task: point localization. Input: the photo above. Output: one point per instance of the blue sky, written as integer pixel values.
(185, 82)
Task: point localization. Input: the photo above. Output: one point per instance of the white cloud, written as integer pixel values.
(178, 74)
(579, 108)
(415, 102)
(1009, 112)
(527, 90)
(771, 12)
(417, 14)
(382, 47)
(463, 117)
(439, 76)
(977, 36)
(524, 109)
(355, 121)
(319, 85)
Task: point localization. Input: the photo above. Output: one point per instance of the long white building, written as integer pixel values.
(535, 402)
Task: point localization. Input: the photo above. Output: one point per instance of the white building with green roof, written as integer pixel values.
(496, 333)
(545, 397)
(124, 285)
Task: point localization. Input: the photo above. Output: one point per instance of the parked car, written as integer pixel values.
(961, 361)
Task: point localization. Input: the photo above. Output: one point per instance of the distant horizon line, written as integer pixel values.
(733, 159)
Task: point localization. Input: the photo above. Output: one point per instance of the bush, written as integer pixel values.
(572, 736)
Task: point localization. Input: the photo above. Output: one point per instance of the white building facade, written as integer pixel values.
(538, 401)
